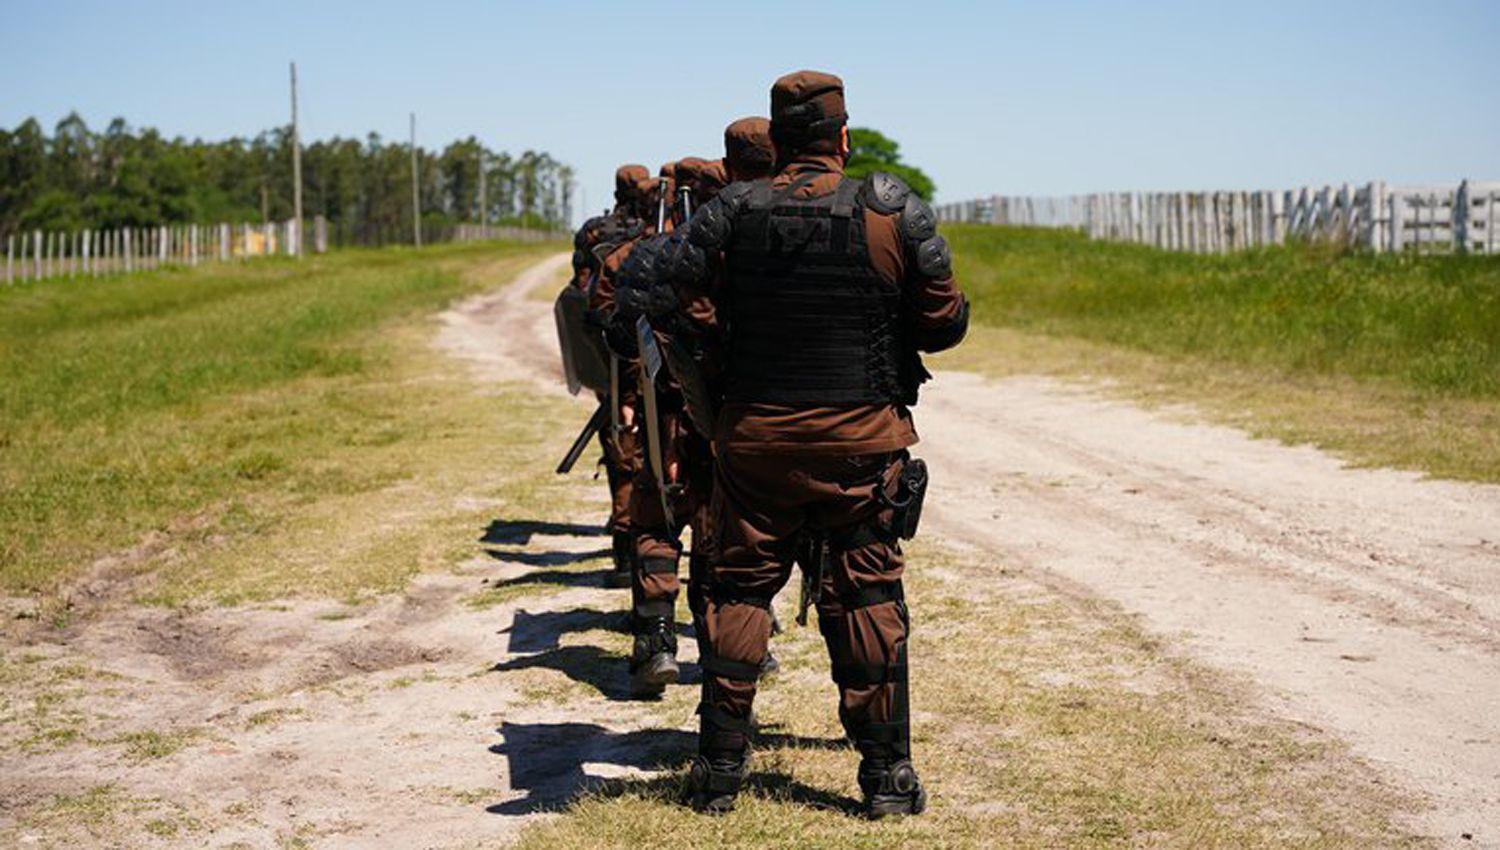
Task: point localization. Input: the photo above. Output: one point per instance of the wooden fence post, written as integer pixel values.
(10, 259)
(1460, 223)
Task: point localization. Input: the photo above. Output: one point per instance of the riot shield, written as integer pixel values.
(651, 362)
(584, 357)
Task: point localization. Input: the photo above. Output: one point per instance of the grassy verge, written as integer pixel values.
(1390, 360)
(145, 420)
(1037, 723)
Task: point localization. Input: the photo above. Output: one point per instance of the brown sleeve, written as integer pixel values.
(939, 312)
(603, 300)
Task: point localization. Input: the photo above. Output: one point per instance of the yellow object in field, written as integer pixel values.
(257, 243)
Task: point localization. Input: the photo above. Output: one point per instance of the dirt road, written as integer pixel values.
(1360, 602)
(1364, 602)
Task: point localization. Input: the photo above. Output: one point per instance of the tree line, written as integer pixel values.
(126, 177)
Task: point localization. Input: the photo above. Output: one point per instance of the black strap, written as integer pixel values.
(766, 197)
(893, 732)
(740, 671)
(723, 720)
(653, 566)
(875, 594)
(653, 610)
(723, 595)
(863, 675)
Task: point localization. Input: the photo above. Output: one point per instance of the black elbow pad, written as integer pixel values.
(934, 260)
(951, 334)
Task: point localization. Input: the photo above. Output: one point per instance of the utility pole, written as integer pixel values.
(416, 192)
(296, 168)
(484, 210)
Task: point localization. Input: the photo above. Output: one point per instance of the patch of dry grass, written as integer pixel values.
(1038, 722)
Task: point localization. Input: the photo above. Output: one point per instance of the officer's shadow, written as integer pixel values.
(500, 535)
(553, 763)
(520, 531)
(540, 636)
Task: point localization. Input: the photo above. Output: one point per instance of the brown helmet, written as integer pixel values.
(626, 178)
(748, 152)
(807, 112)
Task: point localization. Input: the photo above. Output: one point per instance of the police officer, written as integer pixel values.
(826, 289)
(622, 451)
(687, 456)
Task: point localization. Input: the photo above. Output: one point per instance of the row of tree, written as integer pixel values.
(123, 177)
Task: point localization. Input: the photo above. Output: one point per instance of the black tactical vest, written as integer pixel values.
(810, 320)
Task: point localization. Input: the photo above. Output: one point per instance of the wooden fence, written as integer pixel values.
(38, 255)
(1461, 217)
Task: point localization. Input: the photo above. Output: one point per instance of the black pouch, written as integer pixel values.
(911, 492)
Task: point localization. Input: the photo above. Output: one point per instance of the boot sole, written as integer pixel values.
(905, 807)
(651, 680)
(662, 670)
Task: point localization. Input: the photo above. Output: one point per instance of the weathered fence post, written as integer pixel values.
(1461, 218)
(10, 259)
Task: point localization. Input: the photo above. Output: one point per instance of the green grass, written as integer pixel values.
(1386, 359)
(1428, 322)
(142, 412)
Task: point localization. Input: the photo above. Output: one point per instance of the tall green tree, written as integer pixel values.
(872, 150)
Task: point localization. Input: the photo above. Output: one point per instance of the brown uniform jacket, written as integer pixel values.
(845, 430)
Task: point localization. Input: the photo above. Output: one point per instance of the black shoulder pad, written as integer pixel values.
(884, 193)
(735, 194)
(588, 233)
(684, 261)
(934, 259)
(709, 227)
(918, 221)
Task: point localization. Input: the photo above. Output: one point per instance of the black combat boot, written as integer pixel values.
(653, 661)
(623, 550)
(769, 666)
(891, 788)
(714, 783)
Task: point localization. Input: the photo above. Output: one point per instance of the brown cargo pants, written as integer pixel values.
(762, 504)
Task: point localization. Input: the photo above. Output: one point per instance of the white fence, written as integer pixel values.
(38, 255)
(1460, 217)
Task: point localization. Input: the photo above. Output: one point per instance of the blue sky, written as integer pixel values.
(1043, 97)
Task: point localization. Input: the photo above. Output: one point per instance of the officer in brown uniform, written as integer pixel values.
(826, 289)
(622, 452)
(687, 456)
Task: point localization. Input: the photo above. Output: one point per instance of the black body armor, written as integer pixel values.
(810, 321)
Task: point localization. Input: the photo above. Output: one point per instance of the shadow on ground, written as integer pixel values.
(559, 558)
(542, 631)
(522, 530)
(548, 764)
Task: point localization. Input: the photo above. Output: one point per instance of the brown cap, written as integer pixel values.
(703, 177)
(626, 176)
(748, 151)
(807, 107)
